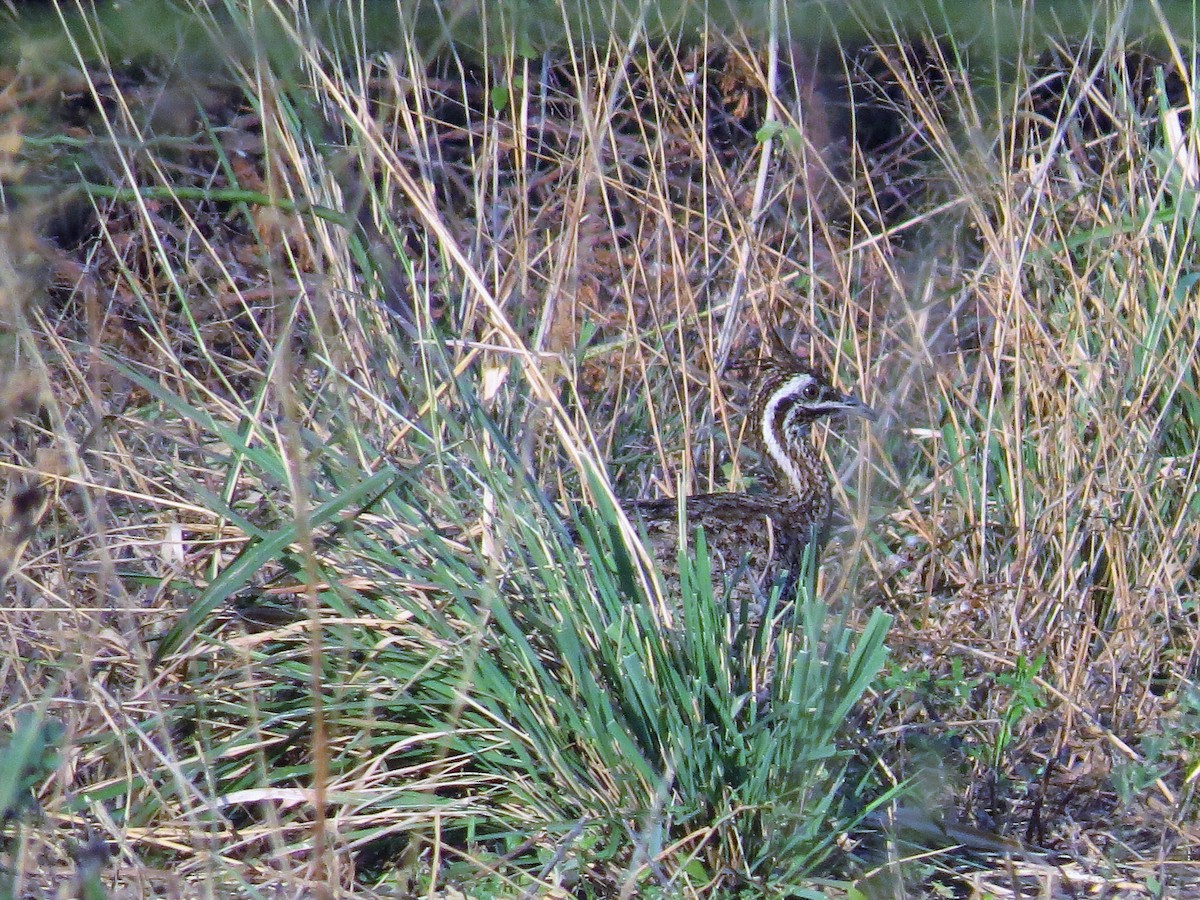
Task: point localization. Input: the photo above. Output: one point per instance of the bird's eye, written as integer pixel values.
(811, 391)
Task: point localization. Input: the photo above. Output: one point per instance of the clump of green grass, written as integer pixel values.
(647, 758)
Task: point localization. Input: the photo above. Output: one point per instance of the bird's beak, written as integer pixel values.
(852, 406)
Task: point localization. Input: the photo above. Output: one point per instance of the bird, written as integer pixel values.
(757, 540)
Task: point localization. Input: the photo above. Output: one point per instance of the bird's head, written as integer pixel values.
(788, 397)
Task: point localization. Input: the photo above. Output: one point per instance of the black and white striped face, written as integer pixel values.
(789, 400)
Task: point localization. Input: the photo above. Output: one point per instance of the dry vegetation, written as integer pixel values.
(311, 354)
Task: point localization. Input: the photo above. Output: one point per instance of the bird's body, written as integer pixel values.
(756, 540)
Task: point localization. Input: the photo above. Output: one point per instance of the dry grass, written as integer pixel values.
(294, 395)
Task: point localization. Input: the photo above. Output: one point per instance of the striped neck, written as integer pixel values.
(785, 426)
